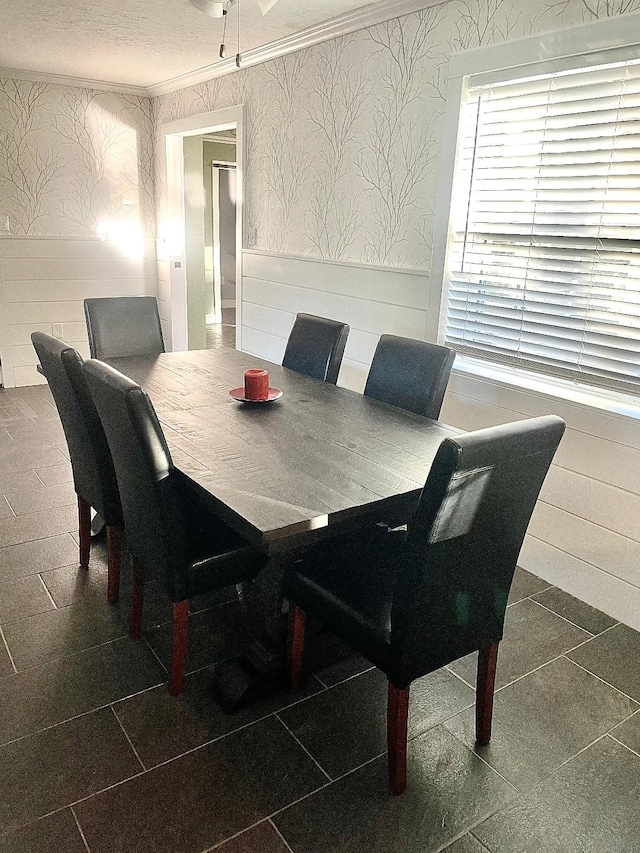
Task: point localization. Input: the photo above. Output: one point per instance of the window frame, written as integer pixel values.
(584, 46)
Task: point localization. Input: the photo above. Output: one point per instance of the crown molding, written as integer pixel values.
(358, 19)
(350, 22)
(76, 82)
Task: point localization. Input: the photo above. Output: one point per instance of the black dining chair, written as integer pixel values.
(316, 346)
(94, 477)
(410, 375)
(123, 325)
(414, 601)
(168, 525)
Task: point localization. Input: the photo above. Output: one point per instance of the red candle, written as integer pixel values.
(256, 384)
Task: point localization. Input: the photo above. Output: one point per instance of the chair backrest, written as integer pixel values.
(123, 325)
(316, 346)
(93, 473)
(410, 375)
(464, 540)
(153, 514)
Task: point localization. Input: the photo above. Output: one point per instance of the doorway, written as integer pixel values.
(204, 282)
(219, 153)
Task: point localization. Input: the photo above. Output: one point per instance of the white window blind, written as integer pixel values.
(544, 262)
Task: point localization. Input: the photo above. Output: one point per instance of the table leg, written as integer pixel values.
(262, 665)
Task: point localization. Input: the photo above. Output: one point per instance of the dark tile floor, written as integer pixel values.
(222, 334)
(96, 756)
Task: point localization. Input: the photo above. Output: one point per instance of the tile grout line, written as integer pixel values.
(124, 731)
(46, 589)
(575, 624)
(477, 755)
(75, 717)
(608, 684)
(302, 746)
(82, 835)
(6, 500)
(6, 645)
(615, 739)
(323, 787)
(281, 836)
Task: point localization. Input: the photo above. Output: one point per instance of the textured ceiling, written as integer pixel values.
(142, 42)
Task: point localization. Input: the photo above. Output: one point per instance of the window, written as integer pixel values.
(543, 265)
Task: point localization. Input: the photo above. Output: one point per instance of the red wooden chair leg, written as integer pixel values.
(114, 559)
(297, 622)
(137, 603)
(397, 720)
(84, 531)
(487, 660)
(179, 646)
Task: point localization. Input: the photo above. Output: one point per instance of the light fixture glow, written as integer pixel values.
(209, 7)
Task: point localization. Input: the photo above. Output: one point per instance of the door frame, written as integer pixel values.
(172, 228)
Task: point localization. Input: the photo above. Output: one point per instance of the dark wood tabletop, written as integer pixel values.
(313, 464)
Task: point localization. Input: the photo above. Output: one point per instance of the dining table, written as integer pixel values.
(319, 462)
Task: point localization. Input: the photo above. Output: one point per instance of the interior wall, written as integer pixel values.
(77, 188)
(343, 143)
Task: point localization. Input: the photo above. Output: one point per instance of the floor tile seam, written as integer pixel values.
(240, 832)
(57, 506)
(608, 684)
(210, 742)
(46, 589)
(97, 793)
(567, 760)
(546, 663)
(459, 677)
(326, 688)
(460, 835)
(564, 619)
(71, 806)
(35, 471)
(525, 674)
(343, 680)
(560, 616)
(441, 722)
(281, 836)
(626, 746)
(483, 760)
(8, 650)
(6, 500)
(570, 759)
(129, 741)
(35, 538)
(80, 830)
(519, 677)
(12, 620)
(475, 837)
(75, 717)
(303, 747)
(530, 791)
(71, 654)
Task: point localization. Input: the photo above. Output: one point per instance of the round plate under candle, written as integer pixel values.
(238, 394)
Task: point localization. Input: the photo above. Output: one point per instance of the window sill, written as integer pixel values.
(599, 399)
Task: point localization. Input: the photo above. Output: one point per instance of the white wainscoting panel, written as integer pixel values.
(372, 300)
(43, 281)
(585, 533)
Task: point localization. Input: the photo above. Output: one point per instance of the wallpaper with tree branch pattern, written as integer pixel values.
(344, 137)
(75, 162)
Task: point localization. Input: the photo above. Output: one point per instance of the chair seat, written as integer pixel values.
(349, 584)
